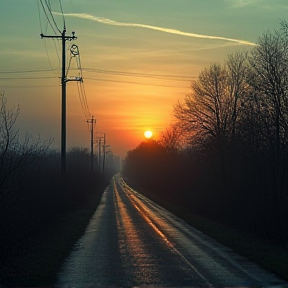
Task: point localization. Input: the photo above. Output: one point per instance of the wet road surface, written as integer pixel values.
(131, 241)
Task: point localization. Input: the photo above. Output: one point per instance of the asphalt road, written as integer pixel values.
(131, 241)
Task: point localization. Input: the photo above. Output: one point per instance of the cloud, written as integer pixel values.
(161, 29)
(243, 3)
(263, 4)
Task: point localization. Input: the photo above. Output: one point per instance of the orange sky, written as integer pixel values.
(123, 46)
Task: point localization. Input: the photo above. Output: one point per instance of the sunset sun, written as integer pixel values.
(148, 134)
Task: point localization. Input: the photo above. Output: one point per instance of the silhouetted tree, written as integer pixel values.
(269, 79)
(238, 87)
(210, 111)
(15, 153)
(173, 138)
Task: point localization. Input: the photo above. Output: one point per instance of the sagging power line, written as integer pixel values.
(113, 72)
(64, 75)
(124, 73)
(75, 54)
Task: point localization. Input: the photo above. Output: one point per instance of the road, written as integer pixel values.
(131, 241)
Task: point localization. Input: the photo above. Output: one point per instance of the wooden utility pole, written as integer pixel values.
(92, 121)
(64, 80)
(99, 153)
(99, 147)
(104, 152)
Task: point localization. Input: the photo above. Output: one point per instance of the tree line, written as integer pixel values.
(33, 197)
(226, 156)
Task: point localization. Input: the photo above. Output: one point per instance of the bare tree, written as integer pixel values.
(173, 138)
(269, 79)
(238, 71)
(207, 111)
(269, 62)
(14, 153)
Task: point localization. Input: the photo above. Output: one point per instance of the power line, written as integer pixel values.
(75, 54)
(81, 89)
(28, 71)
(49, 60)
(83, 93)
(47, 17)
(29, 86)
(103, 80)
(120, 73)
(49, 9)
(125, 73)
(131, 82)
(39, 14)
(26, 78)
(81, 83)
(57, 52)
(81, 102)
(86, 111)
(64, 22)
(68, 66)
(41, 28)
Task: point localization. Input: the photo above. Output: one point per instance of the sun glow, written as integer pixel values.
(148, 134)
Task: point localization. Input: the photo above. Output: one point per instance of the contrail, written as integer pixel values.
(166, 30)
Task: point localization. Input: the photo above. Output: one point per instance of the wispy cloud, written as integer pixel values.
(243, 3)
(161, 29)
(263, 4)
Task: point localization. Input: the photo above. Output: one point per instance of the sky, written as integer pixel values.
(138, 59)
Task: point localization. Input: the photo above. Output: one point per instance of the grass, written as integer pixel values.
(269, 256)
(38, 261)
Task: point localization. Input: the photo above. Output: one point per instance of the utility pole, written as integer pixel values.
(64, 80)
(104, 152)
(92, 121)
(99, 153)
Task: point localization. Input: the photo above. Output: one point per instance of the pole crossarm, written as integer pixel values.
(62, 36)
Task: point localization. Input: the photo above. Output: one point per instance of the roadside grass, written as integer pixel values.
(269, 256)
(38, 261)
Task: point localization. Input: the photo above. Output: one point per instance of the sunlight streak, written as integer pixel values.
(141, 209)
